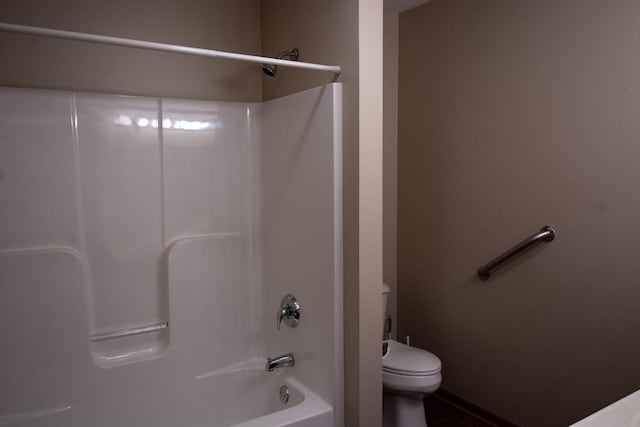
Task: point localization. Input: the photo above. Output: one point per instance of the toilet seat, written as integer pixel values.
(410, 370)
(402, 359)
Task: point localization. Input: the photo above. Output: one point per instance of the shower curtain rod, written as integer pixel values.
(141, 44)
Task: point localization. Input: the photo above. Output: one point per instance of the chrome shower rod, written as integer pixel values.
(141, 44)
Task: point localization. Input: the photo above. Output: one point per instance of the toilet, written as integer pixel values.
(408, 374)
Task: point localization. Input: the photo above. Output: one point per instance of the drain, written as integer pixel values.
(284, 394)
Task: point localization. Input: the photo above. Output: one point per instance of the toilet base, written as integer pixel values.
(403, 411)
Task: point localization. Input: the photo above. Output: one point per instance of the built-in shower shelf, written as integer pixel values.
(125, 346)
(128, 332)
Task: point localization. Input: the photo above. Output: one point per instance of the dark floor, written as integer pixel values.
(442, 413)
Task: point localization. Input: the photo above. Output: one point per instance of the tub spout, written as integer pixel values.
(280, 361)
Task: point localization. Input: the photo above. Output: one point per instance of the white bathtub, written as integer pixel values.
(241, 397)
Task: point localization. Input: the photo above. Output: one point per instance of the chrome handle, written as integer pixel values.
(289, 312)
(281, 315)
(546, 234)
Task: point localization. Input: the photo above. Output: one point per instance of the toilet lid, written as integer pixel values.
(404, 360)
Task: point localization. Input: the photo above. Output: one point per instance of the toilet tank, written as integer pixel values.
(385, 295)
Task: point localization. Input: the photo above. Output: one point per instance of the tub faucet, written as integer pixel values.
(280, 361)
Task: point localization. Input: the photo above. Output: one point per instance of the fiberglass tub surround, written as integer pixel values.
(191, 219)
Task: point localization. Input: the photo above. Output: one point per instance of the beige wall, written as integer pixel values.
(390, 161)
(370, 36)
(40, 62)
(329, 32)
(514, 115)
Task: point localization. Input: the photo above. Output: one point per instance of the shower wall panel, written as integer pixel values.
(116, 180)
(43, 326)
(302, 247)
(37, 185)
(121, 207)
(207, 149)
(121, 212)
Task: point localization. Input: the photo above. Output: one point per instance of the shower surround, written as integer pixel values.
(189, 218)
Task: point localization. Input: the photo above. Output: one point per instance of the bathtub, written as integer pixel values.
(238, 397)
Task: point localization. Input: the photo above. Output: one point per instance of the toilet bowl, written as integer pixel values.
(408, 374)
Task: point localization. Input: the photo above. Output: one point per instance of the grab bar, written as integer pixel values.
(128, 332)
(546, 234)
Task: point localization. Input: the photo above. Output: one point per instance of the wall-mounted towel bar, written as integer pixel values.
(546, 234)
(128, 332)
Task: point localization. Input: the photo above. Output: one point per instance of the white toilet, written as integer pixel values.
(408, 374)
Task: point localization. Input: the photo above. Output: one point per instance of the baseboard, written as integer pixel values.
(473, 409)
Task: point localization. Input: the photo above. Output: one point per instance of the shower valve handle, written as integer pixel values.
(289, 312)
(282, 314)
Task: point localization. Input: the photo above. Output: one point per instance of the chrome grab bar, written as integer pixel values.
(546, 234)
(128, 332)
